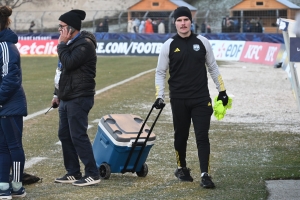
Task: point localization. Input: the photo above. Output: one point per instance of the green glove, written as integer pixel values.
(220, 109)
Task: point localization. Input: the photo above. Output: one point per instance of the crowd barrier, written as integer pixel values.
(256, 48)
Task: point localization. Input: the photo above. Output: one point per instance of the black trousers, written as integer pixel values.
(72, 132)
(200, 111)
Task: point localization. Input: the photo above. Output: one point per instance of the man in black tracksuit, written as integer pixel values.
(186, 56)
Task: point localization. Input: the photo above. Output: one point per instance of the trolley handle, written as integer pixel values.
(134, 144)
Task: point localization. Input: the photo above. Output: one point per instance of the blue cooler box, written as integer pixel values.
(114, 138)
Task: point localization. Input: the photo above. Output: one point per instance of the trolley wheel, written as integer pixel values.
(144, 171)
(104, 171)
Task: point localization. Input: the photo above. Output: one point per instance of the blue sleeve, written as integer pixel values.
(11, 74)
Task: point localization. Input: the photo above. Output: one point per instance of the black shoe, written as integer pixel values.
(206, 181)
(183, 174)
(87, 180)
(278, 65)
(68, 178)
(18, 194)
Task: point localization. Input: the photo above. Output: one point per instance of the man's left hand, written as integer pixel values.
(223, 97)
(65, 35)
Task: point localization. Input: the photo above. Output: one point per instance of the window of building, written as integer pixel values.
(155, 4)
(259, 3)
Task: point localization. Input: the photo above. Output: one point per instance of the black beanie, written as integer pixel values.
(182, 11)
(73, 18)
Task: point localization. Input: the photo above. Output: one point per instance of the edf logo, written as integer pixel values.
(233, 50)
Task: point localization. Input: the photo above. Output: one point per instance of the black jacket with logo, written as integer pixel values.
(186, 59)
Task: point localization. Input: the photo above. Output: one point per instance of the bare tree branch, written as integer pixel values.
(17, 3)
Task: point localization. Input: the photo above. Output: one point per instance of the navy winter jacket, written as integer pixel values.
(12, 96)
(78, 73)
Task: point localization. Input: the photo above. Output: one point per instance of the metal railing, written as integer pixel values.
(47, 21)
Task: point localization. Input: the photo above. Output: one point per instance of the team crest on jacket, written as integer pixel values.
(196, 47)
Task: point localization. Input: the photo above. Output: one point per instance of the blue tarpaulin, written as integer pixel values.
(254, 37)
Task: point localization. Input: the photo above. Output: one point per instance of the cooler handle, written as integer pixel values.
(134, 144)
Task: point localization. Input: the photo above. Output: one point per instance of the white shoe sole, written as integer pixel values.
(69, 181)
(5, 197)
(88, 183)
(19, 196)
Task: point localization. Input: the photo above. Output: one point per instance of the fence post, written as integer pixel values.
(170, 20)
(119, 20)
(42, 22)
(15, 21)
(94, 24)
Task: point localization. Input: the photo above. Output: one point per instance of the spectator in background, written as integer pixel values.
(208, 29)
(105, 24)
(161, 27)
(13, 108)
(142, 27)
(196, 27)
(32, 24)
(136, 25)
(130, 26)
(229, 25)
(258, 28)
(205, 28)
(149, 26)
(193, 27)
(246, 27)
(99, 27)
(236, 25)
(155, 26)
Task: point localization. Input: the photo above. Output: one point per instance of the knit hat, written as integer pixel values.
(182, 11)
(73, 18)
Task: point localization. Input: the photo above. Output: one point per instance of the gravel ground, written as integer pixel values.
(261, 95)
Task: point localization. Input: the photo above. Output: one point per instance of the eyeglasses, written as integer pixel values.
(61, 26)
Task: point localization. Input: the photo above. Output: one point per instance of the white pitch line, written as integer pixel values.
(33, 161)
(124, 81)
(97, 92)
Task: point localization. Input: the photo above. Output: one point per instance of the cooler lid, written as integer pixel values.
(125, 127)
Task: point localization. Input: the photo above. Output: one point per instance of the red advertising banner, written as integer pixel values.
(37, 47)
(260, 52)
(255, 52)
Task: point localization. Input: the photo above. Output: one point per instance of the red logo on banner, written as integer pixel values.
(260, 52)
(37, 47)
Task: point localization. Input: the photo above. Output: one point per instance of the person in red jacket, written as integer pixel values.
(149, 26)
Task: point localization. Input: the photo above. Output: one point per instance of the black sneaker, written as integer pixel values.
(5, 194)
(18, 194)
(87, 180)
(68, 178)
(206, 181)
(183, 174)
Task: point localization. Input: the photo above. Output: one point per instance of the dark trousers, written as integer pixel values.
(11, 148)
(199, 111)
(72, 132)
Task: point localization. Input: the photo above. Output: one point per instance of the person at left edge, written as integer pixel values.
(13, 107)
(74, 95)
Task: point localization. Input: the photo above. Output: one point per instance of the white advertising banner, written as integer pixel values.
(227, 50)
